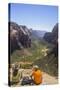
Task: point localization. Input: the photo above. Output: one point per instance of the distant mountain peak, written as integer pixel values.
(38, 33)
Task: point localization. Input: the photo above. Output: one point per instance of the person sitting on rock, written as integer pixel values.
(36, 75)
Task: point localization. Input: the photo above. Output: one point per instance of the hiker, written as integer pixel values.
(36, 75)
(15, 74)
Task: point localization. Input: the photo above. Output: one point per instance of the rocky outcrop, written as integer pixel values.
(20, 36)
(52, 37)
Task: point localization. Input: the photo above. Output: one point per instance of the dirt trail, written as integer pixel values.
(47, 79)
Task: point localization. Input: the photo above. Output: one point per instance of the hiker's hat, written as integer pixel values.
(35, 67)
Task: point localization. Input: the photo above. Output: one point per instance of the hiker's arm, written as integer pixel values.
(32, 74)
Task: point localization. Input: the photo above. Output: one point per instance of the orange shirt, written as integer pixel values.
(37, 75)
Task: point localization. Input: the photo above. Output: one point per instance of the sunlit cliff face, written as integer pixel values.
(19, 37)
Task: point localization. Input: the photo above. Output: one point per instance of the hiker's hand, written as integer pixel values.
(30, 76)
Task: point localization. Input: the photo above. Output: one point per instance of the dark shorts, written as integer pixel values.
(29, 82)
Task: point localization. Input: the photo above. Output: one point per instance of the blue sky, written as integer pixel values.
(37, 17)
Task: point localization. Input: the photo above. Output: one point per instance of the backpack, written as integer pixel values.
(25, 81)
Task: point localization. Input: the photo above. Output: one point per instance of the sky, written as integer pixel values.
(37, 17)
